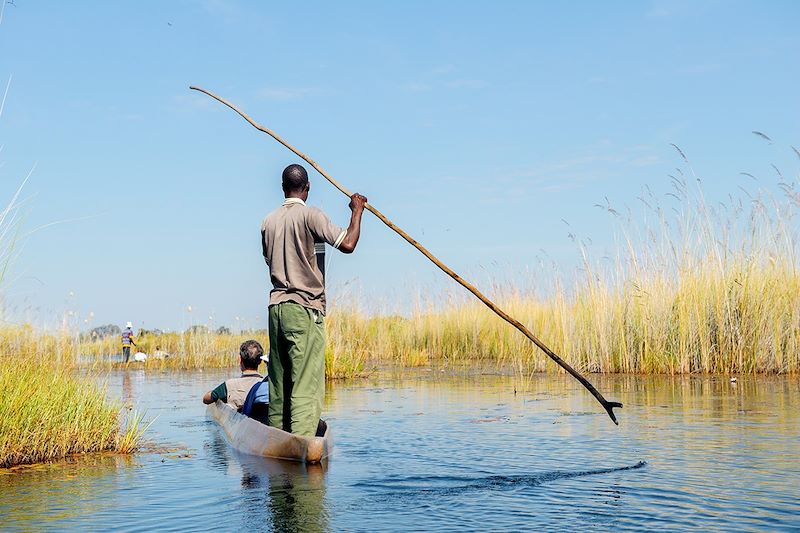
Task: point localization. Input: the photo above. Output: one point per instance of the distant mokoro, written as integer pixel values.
(254, 438)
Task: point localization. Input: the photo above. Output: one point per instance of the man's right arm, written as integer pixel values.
(219, 393)
(357, 203)
(264, 245)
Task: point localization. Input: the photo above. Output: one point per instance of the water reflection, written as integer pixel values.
(127, 388)
(73, 481)
(280, 495)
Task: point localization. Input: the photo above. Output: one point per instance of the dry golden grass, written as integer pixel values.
(345, 355)
(186, 350)
(743, 318)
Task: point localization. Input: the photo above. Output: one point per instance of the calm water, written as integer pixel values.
(448, 453)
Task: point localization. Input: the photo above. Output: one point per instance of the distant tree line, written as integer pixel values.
(112, 330)
(101, 332)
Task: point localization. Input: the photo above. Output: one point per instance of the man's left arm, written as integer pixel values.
(344, 240)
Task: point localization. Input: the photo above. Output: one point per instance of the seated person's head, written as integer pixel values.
(250, 353)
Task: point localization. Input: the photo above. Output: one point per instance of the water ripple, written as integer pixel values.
(414, 485)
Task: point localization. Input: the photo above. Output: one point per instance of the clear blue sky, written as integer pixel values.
(477, 126)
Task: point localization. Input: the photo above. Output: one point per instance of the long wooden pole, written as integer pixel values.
(607, 405)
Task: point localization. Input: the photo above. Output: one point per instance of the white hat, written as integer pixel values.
(129, 325)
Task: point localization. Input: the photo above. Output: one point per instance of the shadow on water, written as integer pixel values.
(413, 486)
(282, 495)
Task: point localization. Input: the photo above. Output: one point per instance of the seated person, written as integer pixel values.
(160, 354)
(234, 391)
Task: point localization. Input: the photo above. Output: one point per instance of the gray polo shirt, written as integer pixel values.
(290, 233)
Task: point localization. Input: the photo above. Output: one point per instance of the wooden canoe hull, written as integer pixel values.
(254, 438)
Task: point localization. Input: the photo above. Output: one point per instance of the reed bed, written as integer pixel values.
(28, 344)
(744, 322)
(47, 413)
(346, 355)
(185, 350)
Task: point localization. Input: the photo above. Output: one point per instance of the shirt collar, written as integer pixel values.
(290, 201)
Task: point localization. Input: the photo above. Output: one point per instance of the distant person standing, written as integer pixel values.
(296, 367)
(127, 340)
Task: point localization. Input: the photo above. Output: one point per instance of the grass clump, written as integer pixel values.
(47, 413)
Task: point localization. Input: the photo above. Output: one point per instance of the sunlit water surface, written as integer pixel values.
(426, 454)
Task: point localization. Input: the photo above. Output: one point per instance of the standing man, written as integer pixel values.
(127, 340)
(297, 301)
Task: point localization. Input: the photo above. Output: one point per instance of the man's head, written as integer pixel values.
(295, 182)
(250, 353)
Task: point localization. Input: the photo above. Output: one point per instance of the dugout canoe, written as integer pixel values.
(254, 438)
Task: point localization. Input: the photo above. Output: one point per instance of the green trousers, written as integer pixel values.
(296, 367)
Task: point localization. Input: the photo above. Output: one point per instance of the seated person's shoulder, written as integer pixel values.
(220, 392)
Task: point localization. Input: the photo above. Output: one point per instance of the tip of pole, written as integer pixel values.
(609, 406)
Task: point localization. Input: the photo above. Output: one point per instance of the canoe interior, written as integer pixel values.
(254, 438)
